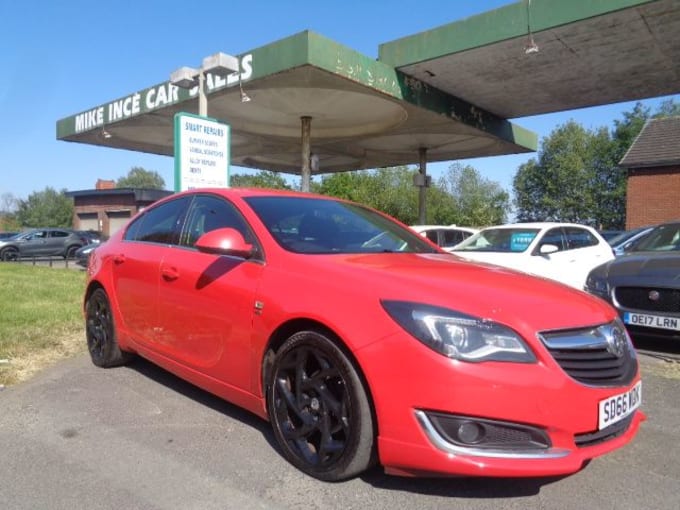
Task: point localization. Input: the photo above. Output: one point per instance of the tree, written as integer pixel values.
(262, 179)
(8, 207)
(47, 208)
(462, 196)
(138, 177)
(571, 180)
(476, 201)
(668, 108)
(389, 190)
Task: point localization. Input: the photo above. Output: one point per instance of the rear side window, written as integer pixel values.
(159, 224)
(453, 237)
(432, 235)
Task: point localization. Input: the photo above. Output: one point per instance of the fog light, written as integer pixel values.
(484, 433)
(470, 432)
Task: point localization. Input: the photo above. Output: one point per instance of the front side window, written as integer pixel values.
(314, 225)
(553, 237)
(661, 238)
(36, 235)
(209, 212)
(579, 238)
(159, 224)
(59, 233)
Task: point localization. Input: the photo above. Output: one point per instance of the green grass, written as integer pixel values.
(40, 310)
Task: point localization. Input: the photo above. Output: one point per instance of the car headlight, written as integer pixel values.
(596, 284)
(457, 335)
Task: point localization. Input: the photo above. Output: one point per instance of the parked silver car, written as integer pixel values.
(42, 242)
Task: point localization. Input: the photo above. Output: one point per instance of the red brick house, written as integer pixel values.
(107, 208)
(653, 163)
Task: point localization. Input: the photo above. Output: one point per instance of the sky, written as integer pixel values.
(59, 58)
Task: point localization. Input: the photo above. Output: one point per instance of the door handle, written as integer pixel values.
(119, 259)
(169, 273)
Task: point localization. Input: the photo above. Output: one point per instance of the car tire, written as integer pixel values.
(9, 254)
(319, 409)
(100, 332)
(71, 252)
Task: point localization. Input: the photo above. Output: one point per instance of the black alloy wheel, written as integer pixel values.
(100, 332)
(319, 410)
(9, 254)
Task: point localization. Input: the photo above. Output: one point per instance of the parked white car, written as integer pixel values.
(565, 252)
(445, 236)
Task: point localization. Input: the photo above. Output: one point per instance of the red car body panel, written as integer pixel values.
(210, 319)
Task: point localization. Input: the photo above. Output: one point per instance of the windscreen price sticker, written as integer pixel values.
(616, 408)
(201, 152)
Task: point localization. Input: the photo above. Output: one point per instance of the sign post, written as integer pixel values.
(201, 152)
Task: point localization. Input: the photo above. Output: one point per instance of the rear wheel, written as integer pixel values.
(319, 410)
(9, 254)
(100, 332)
(71, 252)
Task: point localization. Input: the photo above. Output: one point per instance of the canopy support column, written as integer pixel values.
(306, 170)
(422, 181)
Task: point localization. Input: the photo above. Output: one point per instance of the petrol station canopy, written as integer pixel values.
(449, 90)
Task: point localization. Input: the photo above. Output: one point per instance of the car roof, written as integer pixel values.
(253, 192)
(539, 224)
(431, 227)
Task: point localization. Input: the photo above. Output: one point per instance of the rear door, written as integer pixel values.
(56, 242)
(136, 271)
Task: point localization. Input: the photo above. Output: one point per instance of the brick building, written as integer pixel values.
(653, 164)
(106, 208)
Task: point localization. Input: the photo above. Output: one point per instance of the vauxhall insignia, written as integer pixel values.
(616, 342)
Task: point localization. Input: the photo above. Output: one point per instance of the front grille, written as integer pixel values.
(638, 298)
(593, 438)
(587, 356)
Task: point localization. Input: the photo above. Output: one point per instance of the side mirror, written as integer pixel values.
(547, 249)
(225, 241)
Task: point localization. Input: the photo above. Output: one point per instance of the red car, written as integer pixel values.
(361, 341)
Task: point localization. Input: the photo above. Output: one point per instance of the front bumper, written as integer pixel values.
(408, 382)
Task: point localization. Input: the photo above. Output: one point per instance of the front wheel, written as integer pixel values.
(9, 254)
(100, 332)
(319, 410)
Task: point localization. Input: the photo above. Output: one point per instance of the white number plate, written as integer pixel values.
(617, 407)
(652, 321)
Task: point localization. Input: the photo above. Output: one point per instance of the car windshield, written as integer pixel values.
(661, 238)
(314, 225)
(509, 240)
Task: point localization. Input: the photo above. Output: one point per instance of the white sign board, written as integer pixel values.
(201, 152)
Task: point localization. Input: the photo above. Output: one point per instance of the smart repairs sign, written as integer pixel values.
(201, 152)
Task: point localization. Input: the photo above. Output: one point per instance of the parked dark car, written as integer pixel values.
(42, 242)
(83, 253)
(644, 284)
(92, 235)
(625, 241)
